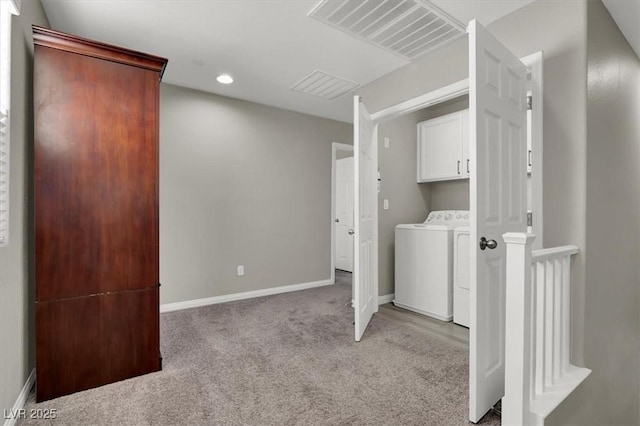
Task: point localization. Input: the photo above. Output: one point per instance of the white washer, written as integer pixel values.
(424, 264)
(461, 275)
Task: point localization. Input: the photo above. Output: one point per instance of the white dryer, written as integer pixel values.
(424, 264)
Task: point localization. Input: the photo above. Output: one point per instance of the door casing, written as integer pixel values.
(335, 147)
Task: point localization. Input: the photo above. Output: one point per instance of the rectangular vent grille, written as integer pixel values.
(408, 28)
(325, 85)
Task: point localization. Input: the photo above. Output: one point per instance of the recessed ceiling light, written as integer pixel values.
(224, 79)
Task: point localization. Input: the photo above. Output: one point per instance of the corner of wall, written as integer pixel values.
(17, 351)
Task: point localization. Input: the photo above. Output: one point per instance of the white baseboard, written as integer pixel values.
(387, 298)
(178, 306)
(22, 398)
(422, 311)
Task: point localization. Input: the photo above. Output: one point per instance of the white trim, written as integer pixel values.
(15, 6)
(22, 398)
(387, 298)
(543, 255)
(534, 66)
(422, 311)
(195, 303)
(335, 147)
(443, 94)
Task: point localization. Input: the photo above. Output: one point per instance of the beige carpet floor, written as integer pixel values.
(288, 359)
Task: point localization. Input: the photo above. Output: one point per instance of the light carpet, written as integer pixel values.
(287, 359)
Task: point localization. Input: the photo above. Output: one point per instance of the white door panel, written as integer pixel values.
(344, 214)
(497, 107)
(365, 265)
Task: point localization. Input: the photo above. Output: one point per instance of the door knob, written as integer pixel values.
(351, 232)
(484, 243)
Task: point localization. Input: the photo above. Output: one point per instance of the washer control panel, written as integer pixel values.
(446, 216)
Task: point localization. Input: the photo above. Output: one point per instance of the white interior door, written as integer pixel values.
(497, 106)
(365, 264)
(344, 214)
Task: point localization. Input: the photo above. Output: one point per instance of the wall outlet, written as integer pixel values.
(240, 270)
(385, 204)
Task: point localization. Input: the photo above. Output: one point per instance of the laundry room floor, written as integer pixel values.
(454, 333)
(448, 330)
(424, 323)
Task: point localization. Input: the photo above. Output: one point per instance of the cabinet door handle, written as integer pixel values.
(529, 158)
(467, 165)
(458, 166)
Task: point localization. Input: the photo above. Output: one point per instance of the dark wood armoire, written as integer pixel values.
(96, 110)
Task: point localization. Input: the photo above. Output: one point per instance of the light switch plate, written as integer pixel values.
(385, 204)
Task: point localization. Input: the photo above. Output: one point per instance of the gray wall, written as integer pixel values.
(16, 288)
(612, 283)
(242, 183)
(409, 201)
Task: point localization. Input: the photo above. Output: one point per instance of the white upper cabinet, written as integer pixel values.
(443, 147)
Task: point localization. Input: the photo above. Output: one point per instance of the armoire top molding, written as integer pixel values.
(82, 46)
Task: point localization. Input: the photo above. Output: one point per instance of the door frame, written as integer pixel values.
(533, 63)
(335, 147)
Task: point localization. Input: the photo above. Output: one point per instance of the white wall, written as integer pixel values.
(16, 271)
(242, 183)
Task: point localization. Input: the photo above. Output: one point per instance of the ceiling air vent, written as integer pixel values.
(325, 85)
(408, 28)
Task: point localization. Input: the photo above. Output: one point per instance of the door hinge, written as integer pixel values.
(529, 102)
(529, 218)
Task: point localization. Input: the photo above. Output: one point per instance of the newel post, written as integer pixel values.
(516, 402)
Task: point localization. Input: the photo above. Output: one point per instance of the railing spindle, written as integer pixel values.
(538, 373)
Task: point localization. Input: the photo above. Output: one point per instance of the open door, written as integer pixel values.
(344, 214)
(365, 256)
(497, 120)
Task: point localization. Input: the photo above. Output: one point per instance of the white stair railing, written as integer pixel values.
(538, 372)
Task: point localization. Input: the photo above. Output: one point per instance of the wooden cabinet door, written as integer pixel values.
(86, 342)
(96, 175)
